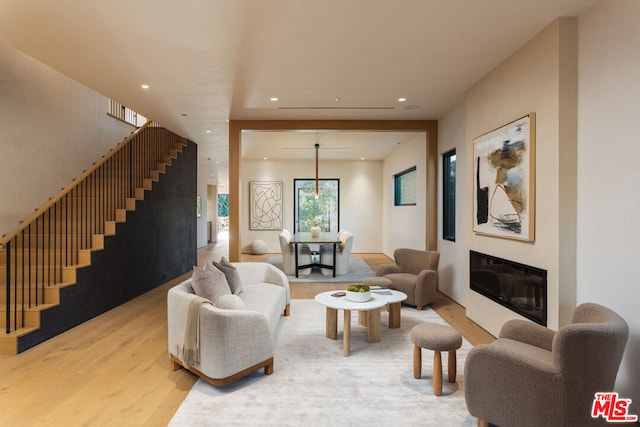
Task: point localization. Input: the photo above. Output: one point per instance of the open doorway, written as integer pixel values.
(217, 215)
(223, 215)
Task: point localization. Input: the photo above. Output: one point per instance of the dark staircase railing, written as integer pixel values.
(41, 255)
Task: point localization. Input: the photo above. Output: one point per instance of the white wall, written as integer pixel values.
(203, 191)
(360, 198)
(452, 281)
(405, 226)
(608, 174)
(53, 128)
(528, 81)
(212, 212)
(606, 223)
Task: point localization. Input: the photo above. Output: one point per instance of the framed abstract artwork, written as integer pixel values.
(504, 181)
(265, 205)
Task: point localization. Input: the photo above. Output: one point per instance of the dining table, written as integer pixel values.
(323, 238)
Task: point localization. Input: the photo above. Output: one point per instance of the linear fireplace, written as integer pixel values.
(519, 287)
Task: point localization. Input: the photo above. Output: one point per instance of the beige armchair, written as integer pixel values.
(415, 273)
(288, 255)
(532, 376)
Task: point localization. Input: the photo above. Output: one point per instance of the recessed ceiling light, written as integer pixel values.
(207, 131)
(144, 86)
(338, 99)
(264, 158)
(361, 158)
(402, 99)
(273, 99)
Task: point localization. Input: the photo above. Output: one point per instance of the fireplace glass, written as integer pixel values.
(520, 288)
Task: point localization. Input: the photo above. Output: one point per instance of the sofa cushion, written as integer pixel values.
(230, 302)
(209, 282)
(231, 273)
(267, 299)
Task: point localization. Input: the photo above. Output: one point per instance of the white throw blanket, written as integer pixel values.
(188, 333)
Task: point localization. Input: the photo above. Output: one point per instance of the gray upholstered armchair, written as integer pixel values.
(415, 273)
(532, 376)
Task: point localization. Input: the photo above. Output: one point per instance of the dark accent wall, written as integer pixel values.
(156, 244)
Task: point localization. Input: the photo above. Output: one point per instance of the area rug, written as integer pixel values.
(314, 385)
(358, 270)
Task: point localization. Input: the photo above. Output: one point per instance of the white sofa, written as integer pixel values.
(233, 342)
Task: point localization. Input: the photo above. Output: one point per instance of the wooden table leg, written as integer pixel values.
(362, 318)
(332, 323)
(394, 315)
(452, 366)
(373, 325)
(346, 333)
(295, 247)
(335, 249)
(417, 362)
(437, 373)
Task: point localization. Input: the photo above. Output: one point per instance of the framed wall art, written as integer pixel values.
(265, 205)
(504, 181)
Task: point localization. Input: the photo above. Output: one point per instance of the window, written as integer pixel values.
(449, 195)
(404, 186)
(323, 211)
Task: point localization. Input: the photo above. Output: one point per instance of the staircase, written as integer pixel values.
(44, 255)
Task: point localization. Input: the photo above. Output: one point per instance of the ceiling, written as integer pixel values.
(208, 61)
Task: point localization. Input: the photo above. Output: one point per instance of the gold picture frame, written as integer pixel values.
(504, 181)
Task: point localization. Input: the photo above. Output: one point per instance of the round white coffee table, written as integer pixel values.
(369, 314)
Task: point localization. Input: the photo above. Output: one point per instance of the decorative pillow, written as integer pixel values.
(230, 302)
(209, 282)
(231, 273)
(258, 247)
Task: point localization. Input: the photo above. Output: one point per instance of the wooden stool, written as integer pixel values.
(437, 338)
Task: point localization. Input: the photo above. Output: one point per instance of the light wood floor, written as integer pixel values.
(114, 369)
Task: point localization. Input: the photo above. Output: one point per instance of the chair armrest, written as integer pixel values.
(426, 284)
(232, 340)
(528, 332)
(506, 373)
(387, 269)
(262, 272)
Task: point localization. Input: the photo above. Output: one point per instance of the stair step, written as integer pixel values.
(9, 342)
(64, 274)
(62, 241)
(31, 317)
(50, 293)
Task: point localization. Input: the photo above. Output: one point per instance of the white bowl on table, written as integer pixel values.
(358, 296)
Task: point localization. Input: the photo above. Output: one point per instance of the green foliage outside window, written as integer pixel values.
(321, 212)
(223, 205)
